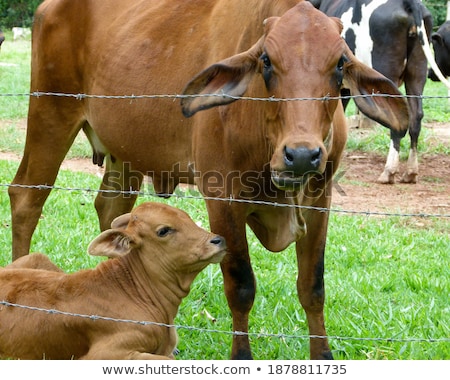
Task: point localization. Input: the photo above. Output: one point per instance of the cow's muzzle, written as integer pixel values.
(299, 164)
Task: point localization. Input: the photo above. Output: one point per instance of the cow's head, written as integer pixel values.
(441, 47)
(300, 56)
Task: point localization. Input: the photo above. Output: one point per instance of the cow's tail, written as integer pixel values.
(422, 34)
(417, 9)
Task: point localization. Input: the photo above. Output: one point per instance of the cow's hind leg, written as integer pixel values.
(118, 191)
(392, 162)
(416, 115)
(415, 79)
(45, 148)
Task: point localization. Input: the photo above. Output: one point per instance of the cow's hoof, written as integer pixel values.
(409, 178)
(386, 178)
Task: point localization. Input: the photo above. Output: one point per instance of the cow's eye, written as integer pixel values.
(164, 231)
(266, 61)
(267, 68)
(340, 71)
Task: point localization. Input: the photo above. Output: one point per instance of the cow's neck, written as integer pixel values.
(157, 287)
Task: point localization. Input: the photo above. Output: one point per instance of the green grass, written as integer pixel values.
(385, 276)
(14, 78)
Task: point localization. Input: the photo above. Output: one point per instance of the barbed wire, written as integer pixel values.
(81, 96)
(228, 199)
(217, 331)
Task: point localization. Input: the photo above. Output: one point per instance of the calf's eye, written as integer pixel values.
(164, 231)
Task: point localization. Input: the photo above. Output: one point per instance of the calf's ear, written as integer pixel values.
(121, 222)
(111, 243)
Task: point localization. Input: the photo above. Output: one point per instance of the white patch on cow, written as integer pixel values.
(391, 167)
(363, 41)
(392, 159)
(412, 167)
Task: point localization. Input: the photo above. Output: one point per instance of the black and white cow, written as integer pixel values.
(441, 47)
(388, 36)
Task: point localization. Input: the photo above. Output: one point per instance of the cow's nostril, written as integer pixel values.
(316, 156)
(289, 154)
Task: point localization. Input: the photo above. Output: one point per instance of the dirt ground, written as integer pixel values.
(359, 191)
(356, 188)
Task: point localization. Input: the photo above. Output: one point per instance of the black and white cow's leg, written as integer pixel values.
(392, 161)
(415, 78)
(412, 166)
(416, 112)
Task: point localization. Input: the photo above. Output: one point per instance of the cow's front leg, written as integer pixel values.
(116, 196)
(240, 287)
(239, 281)
(310, 284)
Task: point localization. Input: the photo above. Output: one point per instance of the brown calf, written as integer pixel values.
(157, 251)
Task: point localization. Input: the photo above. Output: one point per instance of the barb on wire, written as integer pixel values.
(228, 199)
(217, 331)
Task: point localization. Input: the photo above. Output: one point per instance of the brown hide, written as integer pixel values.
(155, 257)
(34, 261)
(283, 152)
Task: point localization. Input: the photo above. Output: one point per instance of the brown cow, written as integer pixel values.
(157, 251)
(265, 151)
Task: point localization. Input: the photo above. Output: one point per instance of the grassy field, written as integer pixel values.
(387, 280)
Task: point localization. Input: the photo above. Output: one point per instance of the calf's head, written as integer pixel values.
(300, 56)
(163, 238)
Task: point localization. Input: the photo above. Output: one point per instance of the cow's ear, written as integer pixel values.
(387, 107)
(121, 222)
(436, 37)
(338, 23)
(223, 81)
(111, 243)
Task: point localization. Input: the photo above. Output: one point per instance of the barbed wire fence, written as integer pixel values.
(147, 194)
(216, 331)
